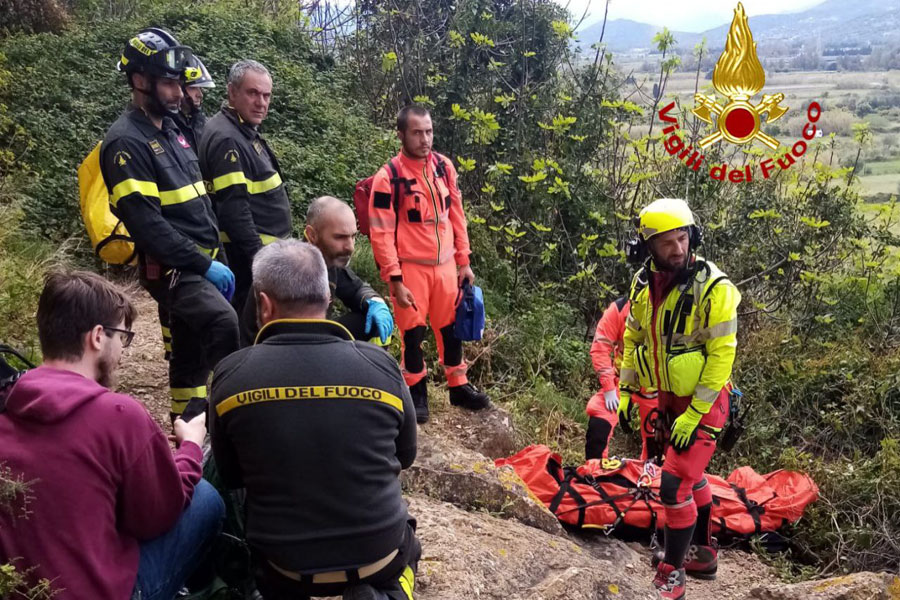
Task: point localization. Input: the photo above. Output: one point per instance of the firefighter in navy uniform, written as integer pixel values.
(316, 427)
(157, 190)
(190, 118)
(243, 173)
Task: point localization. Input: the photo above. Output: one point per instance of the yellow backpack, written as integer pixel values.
(108, 235)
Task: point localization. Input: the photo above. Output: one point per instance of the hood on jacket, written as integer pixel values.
(48, 395)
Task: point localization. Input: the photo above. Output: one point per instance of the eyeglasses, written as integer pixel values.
(129, 335)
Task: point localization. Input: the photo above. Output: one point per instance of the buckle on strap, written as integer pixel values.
(339, 576)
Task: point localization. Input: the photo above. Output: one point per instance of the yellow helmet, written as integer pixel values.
(665, 214)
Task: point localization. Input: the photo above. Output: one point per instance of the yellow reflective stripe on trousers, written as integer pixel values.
(238, 178)
(265, 238)
(185, 394)
(210, 253)
(313, 392)
(131, 186)
(408, 582)
(183, 194)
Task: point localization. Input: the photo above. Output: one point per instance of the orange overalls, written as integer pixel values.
(421, 241)
(606, 355)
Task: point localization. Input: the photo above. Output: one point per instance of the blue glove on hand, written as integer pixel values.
(221, 277)
(379, 316)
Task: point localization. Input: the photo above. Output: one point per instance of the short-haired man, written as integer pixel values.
(331, 227)
(190, 118)
(688, 357)
(245, 179)
(420, 241)
(316, 427)
(156, 188)
(108, 511)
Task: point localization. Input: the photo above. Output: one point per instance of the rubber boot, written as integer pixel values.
(669, 582)
(467, 396)
(419, 393)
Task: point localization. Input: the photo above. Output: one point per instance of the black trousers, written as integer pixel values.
(241, 266)
(389, 580)
(203, 329)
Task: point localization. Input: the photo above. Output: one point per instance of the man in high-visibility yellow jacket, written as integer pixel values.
(681, 338)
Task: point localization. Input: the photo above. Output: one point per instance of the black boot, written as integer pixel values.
(419, 393)
(467, 396)
(363, 591)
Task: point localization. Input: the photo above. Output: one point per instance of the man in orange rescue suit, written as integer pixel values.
(681, 338)
(606, 356)
(419, 238)
(247, 190)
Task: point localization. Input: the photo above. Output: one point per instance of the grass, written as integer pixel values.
(883, 167)
(880, 184)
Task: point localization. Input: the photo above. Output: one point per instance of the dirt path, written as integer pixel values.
(143, 372)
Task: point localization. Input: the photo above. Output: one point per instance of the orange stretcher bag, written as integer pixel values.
(622, 495)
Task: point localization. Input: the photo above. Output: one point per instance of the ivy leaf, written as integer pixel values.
(481, 40)
(765, 214)
(814, 223)
(388, 61)
(465, 164)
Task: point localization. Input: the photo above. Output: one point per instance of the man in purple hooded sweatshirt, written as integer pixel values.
(109, 512)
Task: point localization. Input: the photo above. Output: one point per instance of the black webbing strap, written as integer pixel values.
(565, 487)
(754, 509)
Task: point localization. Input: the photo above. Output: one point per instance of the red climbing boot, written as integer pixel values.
(669, 582)
(701, 562)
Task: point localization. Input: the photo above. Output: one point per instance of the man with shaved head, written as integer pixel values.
(331, 227)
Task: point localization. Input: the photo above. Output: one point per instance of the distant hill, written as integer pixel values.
(832, 23)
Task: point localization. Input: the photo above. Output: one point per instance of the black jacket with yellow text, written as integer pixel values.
(156, 188)
(245, 182)
(317, 427)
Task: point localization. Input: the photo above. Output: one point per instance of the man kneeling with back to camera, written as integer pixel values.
(316, 427)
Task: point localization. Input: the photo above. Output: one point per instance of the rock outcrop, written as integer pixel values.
(857, 586)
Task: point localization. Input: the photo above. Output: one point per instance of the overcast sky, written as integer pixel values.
(681, 15)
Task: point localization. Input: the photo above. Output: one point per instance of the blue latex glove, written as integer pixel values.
(379, 316)
(221, 277)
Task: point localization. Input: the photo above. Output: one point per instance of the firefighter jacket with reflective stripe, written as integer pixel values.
(317, 427)
(191, 126)
(606, 349)
(245, 183)
(681, 341)
(155, 187)
(427, 226)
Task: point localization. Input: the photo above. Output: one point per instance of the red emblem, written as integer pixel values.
(183, 142)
